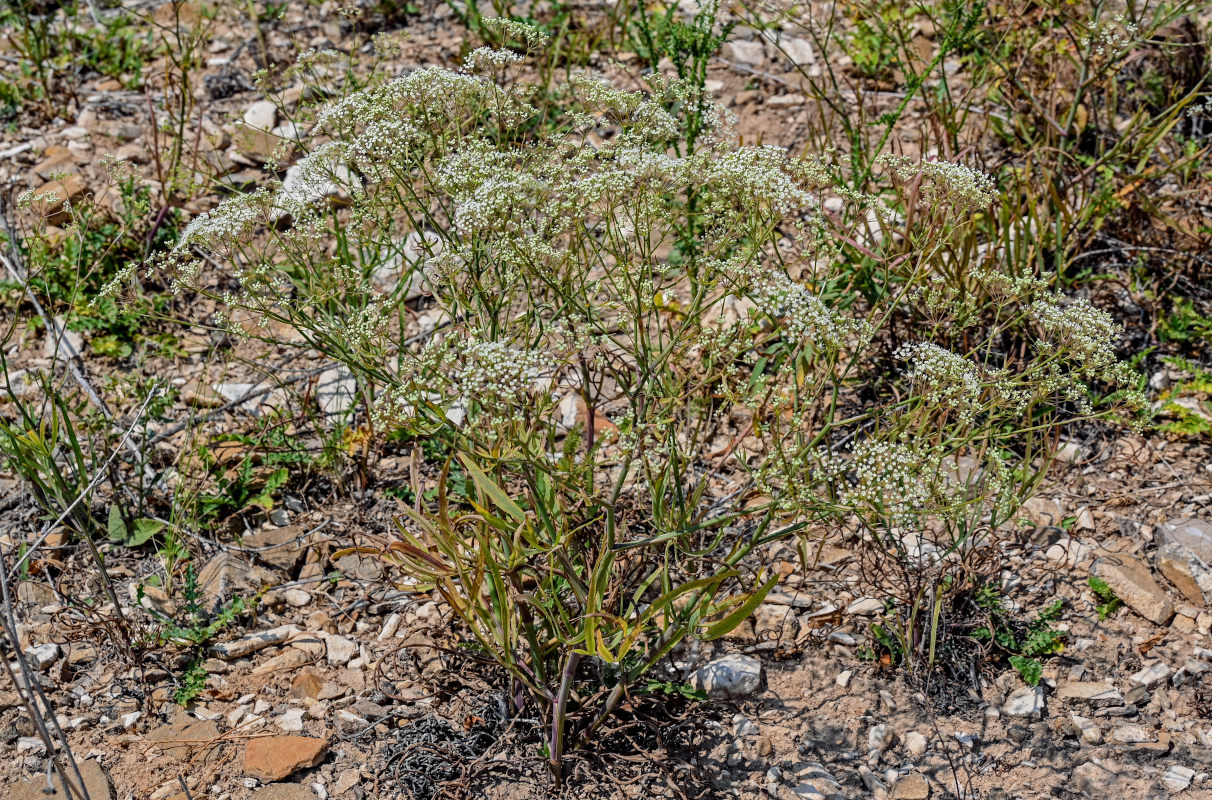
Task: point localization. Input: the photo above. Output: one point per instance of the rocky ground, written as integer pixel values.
(340, 686)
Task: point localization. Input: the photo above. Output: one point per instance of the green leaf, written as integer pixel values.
(1028, 668)
(116, 527)
(742, 612)
(494, 492)
(111, 346)
(144, 529)
(276, 480)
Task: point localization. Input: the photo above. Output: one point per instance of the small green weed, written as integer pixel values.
(1024, 643)
(194, 630)
(1108, 603)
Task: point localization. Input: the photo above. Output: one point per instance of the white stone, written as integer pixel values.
(729, 677)
(743, 726)
(340, 650)
(1134, 734)
(1177, 778)
(916, 744)
(865, 607)
(31, 745)
(297, 597)
(743, 52)
(1025, 702)
(1152, 675)
(292, 720)
(800, 51)
(262, 115)
(336, 390)
(127, 721)
(880, 737)
(1087, 730)
(390, 627)
(63, 345)
(42, 656)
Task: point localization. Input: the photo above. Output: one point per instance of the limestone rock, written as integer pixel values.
(226, 575)
(916, 744)
(272, 758)
(729, 677)
(1133, 583)
(1189, 573)
(248, 645)
(340, 650)
(1087, 730)
(96, 783)
(743, 52)
(280, 547)
(63, 344)
(184, 736)
(1027, 702)
(1177, 778)
(800, 51)
(336, 390)
(1152, 675)
(1091, 693)
(262, 114)
(1192, 533)
(913, 786)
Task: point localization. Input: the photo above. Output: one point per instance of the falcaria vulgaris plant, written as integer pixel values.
(649, 363)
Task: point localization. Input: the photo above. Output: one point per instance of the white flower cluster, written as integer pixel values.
(945, 186)
(1109, 39)
(1086, 334)
(760, 176)
(490, 61)
(230, 223)
(505, 29)
(803, 315)
(944, 378)
(894, 480)
(637, 113)
(501, 380)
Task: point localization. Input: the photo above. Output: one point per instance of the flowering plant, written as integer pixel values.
(648, 361)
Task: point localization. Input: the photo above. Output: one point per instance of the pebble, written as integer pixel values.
(1133, 734)
(42, 656)
(390, 626)
(1152, 676)
(1194, 534)
(1132, 581)
(292, 720)
(916, 744)
(728, 677)
(743, 52)
(881, 737)
(297, 597)
(340, 650)
(1087, 730)
(1026, 702)
(743, 726)
(1177, 778)
(1189, 573)
(262, 115)
(865, 607)
(31, 745)
(913, 786)
(1091, 693)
